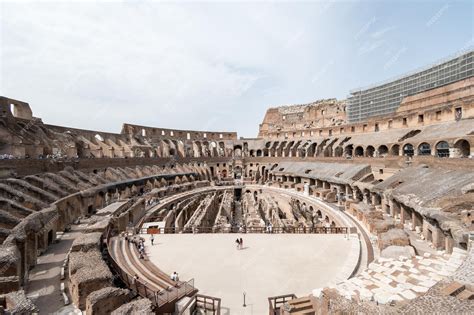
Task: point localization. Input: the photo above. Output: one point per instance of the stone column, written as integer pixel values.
(404, 215)
(306, 189)
(385, 207)
(438, 238)
(448, 244)
(348, 191)
(375, 200)
(417, 220)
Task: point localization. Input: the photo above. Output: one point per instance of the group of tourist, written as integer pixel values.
(139, 243)
(7, 157)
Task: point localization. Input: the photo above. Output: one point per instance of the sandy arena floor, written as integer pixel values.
(269, 265)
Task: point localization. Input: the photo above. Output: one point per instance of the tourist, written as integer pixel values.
(152, 239)
(134, 279)
(174, 276)
(237, 241)
(241, 243)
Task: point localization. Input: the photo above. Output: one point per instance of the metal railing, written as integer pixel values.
(276, 302)
(203, 302)
(142, 288)
(249, 230)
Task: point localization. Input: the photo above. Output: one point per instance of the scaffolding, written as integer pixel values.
(385, 98)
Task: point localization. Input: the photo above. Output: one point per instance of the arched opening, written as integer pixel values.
(395, 150)
(213, 148)
(383, 150)
(359, 151)
(328, 151)
(237, 172)
(369, 152)
(321, 146)
(408, 150)
(442, 149)
(311, 150)
(237, 151)
(424, 149)
(287, 149)
(222, 149)
(463, 148)
(348, 151)
(338, 152)
(259, 152)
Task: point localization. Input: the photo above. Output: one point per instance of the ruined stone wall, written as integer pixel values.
(106, 300)
(444, 104)
(163, 133)
(286, 120)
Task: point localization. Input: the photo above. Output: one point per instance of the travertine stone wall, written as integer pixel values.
(106, 300)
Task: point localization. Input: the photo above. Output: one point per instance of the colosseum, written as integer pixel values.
(363, 205)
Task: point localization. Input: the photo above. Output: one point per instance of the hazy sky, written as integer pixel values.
(215, 65)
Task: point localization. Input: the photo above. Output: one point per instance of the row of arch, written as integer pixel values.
(462, 148)
(459, 148)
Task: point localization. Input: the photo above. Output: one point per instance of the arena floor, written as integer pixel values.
(269, 265)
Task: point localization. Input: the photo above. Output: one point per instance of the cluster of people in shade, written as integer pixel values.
(139, 244)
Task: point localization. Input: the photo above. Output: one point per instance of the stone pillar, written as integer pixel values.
(348, 191)
(438, 238)
(448, 244)
(394, 208)
(404, 214)
(21, 245)
(385, 207)
(454, 153)
(306, 189)
(417, 220)
(375, 200)
(31, 249)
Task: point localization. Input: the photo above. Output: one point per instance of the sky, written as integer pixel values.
(212, 65)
